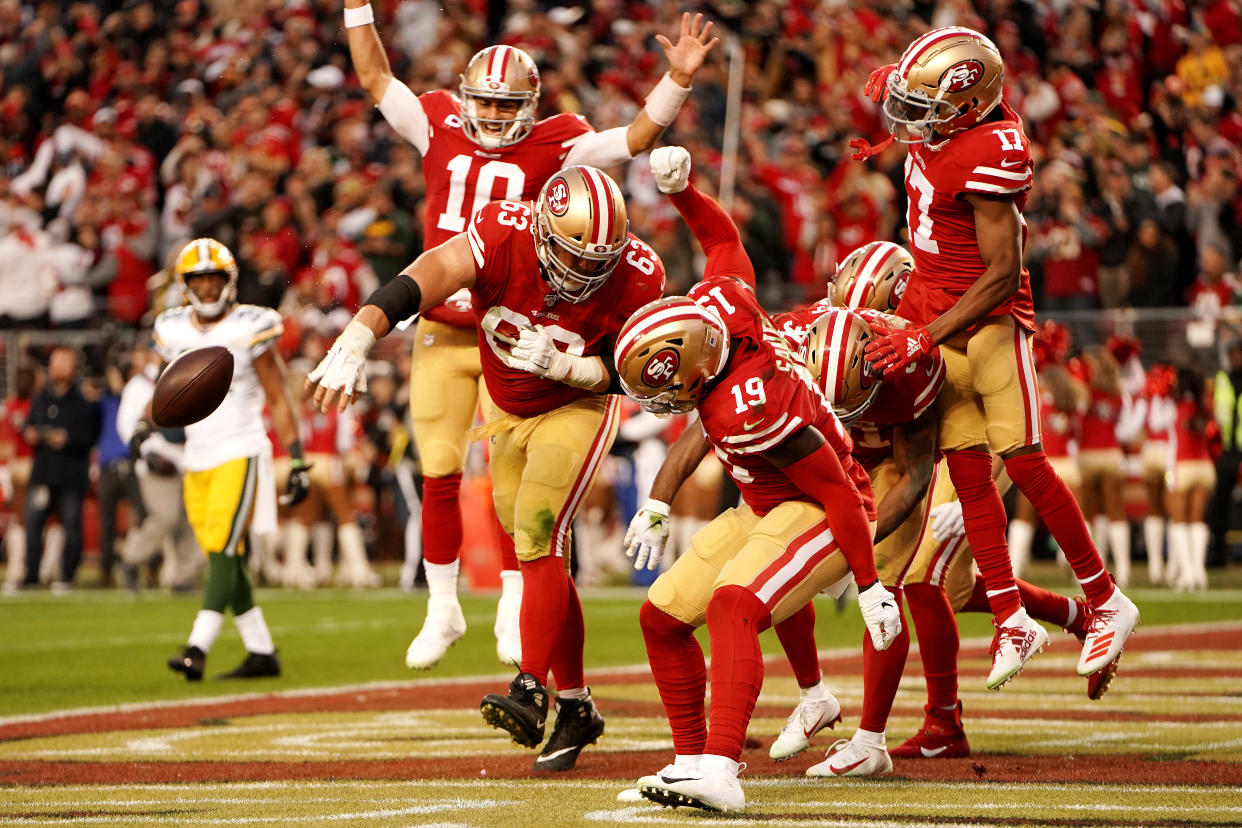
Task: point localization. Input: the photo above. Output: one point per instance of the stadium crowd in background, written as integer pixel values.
(128, 128)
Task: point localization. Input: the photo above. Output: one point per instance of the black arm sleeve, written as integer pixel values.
(400, 299)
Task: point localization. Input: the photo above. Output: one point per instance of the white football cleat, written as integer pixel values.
(714, 787)
(444, 626)
(807, 719)
(853, 758)
(1111, 624)
(630, 795)
(1014, 645)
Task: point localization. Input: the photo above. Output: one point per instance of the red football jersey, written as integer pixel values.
(510, 293)
(902, 398)
(1059, 428)
(1187, 443)
(992, 159)
(330, 432)
(462, 176)
(1099, 421)
(764, 395)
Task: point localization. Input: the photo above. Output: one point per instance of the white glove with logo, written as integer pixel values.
(344, 368)
(671, 168)
(947, 521)
(880, 614)
(535, 352)
(648, 532)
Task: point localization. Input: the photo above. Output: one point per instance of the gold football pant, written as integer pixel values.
(219, 503)
(990, 395)
(784, 558)
(543, 466)
(446, 385)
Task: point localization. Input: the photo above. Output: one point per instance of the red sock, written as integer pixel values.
(797, 636)
(1033, 474)
(735, 617)
(441, 519)
(978, 600)
(971, 472)
(545, 601)
(881, 675)
(936, 628)
(680, 675)
(1044, 605)
(508, 553)
(567, 655)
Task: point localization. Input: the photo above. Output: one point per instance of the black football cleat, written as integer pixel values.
(522, 713)
(191, 661)
(255, 666)
(578, 724)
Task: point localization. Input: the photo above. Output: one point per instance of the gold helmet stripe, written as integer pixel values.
(830, 380)
(494, 72)
(675, 313)
(920, 46)
(600, 206)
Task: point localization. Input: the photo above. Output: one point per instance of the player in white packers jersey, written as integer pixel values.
(483, 145)
(227, 463)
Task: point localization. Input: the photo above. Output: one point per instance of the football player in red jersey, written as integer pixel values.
(480, 145)
(805, 523)
(551, 284)
(967, 176)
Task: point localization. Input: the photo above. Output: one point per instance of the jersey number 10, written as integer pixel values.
(485, 180)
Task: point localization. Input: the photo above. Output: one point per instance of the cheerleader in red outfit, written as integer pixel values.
(1100, 460)
(1191, 480)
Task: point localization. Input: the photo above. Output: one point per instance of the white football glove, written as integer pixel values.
(344, 368)
(881, 615)
(648, 532)
(671, 168)
(535, 352)
(947, 521)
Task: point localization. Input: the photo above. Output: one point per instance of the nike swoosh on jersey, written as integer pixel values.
(1006, 162)
(749, 426)
(933, 752)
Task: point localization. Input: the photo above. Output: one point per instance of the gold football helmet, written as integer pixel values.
(873, 276)
(581, 229)
(834, 355)
(499, 73)
(204, 257)
(947, 80)
(667, 353)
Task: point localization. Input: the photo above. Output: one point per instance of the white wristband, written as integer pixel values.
(583, 372)
(665, 101)
(659, 507)
(361, 16)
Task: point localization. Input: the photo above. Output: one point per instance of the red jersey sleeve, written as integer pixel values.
(490, 235)
(647, 279)
(717, 235)
(996, 161)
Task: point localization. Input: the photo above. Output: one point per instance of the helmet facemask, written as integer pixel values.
(504, 131)
(669, 352)
(912, 116)
(499, 74)
(581, 229)
(207, 257)
(214, 309)
(569, 283)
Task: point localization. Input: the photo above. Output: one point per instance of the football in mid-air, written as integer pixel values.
(192, 386)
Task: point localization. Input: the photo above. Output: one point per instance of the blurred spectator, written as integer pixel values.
(388, 239)
(62, 427)
(1228, 412)
(27, 277)
(17, 455)
(1152, 267)
(116, 484)
(1067, 245)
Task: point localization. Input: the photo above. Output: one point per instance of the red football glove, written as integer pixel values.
(898, 349)
(877, 84)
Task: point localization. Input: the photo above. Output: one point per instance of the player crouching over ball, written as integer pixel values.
(228, 459)
(804, 526)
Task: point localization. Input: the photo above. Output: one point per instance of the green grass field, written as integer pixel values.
(96, 648)
(106, 650)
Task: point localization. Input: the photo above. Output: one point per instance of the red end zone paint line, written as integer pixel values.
(623, 766)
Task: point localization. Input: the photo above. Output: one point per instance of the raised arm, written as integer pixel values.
(396, 101)
(711, 225)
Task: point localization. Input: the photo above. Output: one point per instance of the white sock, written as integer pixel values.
(1019, 617)
(871, 739)
(442, 580)
(322, 539)
(578, 693)
(1153, 536)
(1020, 535)
(206, 629)
(816, 692)
(711, 763)
(255, 635)
(15, 548)
(511, 583)
(1119, 544)
(1072, 615)
(687, 761)
(509, 607)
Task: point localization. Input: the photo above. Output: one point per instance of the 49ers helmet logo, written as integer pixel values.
(558, 197)
(661, 367)
(961, 76)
